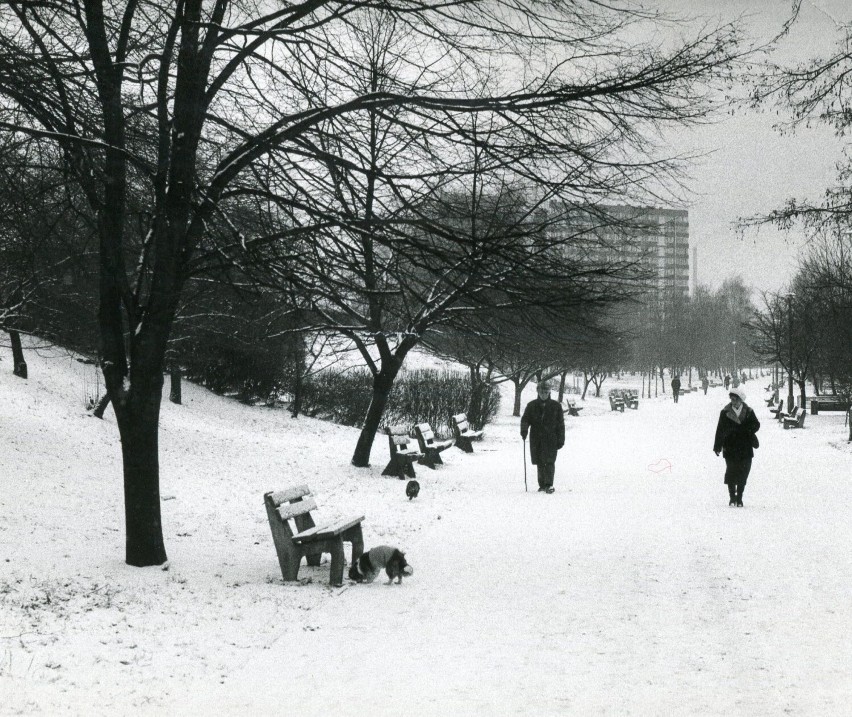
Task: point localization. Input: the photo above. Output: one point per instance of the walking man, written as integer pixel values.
(676, 388)
(544, 422)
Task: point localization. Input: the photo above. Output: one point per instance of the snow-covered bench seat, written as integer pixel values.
(296, 534)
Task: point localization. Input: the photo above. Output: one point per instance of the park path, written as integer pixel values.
(634, 589)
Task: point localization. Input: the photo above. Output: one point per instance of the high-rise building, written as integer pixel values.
(657, 240)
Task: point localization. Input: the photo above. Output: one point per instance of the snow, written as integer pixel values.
(632, 590)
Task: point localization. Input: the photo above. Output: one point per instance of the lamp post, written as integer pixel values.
(790, 364)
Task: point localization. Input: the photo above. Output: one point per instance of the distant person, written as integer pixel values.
(676, 388)
(727, 382)
(743, 377)
(705, 384)
(736, 440)
(544, 421)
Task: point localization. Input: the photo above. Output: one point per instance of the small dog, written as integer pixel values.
(412, 489)
(366, 568)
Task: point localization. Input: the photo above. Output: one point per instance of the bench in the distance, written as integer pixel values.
(463, 433)
(403, 453)
(430, 446)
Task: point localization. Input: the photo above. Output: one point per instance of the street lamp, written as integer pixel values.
(790, 364)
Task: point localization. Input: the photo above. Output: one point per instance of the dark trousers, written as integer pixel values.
(736, 476)
(676, 393)
(546, 473)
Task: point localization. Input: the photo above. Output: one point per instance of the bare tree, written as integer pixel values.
(187, 104)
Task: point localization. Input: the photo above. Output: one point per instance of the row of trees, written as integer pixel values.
(378, 169)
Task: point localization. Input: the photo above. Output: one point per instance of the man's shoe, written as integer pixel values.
(549, 489)
(739, 504)
(541, 490)
(732, 502)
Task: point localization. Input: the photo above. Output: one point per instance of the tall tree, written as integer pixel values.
(187, 104)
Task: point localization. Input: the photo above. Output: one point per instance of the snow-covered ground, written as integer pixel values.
(633, 590)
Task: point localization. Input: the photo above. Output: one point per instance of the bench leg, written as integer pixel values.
(392, 468)
(408, 470)
(431, 458)
(337, 562)
(355, 536)
(464, 444)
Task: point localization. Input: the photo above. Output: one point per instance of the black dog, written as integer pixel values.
(370, 564)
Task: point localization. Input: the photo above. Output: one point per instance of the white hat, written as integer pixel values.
(737, 391)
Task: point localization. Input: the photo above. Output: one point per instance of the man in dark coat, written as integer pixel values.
(736, 439)
(676, 388)
(545, 423)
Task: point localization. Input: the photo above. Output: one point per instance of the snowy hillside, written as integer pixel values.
(633, 590)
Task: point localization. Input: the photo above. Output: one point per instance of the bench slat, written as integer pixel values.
(325, 531)
(291, 510)
(285, 496)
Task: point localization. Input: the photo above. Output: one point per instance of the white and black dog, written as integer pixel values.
(366, 568)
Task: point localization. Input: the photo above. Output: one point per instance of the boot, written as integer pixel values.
(732, 494)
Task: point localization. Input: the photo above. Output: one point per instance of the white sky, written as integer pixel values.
(752, 169)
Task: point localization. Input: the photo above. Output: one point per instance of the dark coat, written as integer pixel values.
(546, 425)
(733, 435)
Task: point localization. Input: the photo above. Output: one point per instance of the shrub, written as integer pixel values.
(419, 396)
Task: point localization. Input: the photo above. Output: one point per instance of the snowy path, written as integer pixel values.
(628, 591)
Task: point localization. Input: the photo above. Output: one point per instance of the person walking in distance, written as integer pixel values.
(736, 439)
(545, 423)
(704, 384)
(676, 388)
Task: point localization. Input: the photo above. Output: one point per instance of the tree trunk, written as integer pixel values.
(139, 427)
(516, 407)
(18, 361)
(382, 384)
(562, 386)
(101, 406)
(175, 386)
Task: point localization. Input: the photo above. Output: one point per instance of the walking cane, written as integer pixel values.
(525, 466)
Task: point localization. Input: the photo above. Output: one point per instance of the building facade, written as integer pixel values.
(657, 240)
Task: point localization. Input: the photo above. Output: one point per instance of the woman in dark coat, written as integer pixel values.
(735, 438)
(544, 421)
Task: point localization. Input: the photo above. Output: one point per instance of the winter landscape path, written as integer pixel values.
(634, 589)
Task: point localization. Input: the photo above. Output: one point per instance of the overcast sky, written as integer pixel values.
(752, 168)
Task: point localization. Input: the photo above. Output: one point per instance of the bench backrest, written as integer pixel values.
(425, 434)
(398, 438)
(294, 504)
(460, 423)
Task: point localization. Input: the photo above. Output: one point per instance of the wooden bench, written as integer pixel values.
(571, 407)
(403, 453)
(616, 403)
(430, 447)
(463, 432)
(828, 403)
(631, 399)
(296, 535)
(777, 411)
(797, 420)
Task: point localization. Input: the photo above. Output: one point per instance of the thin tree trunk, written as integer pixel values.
(18, 361)
(175, 386)
(562, 386)
(516, 407)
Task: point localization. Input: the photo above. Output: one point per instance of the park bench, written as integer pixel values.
(463, 432)
(796, 420)
(403, 453)
(296, 535)
(777, 411)
(828, 403)
(571, 407)
(631, 399)
(616, 403)
(430, 447)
